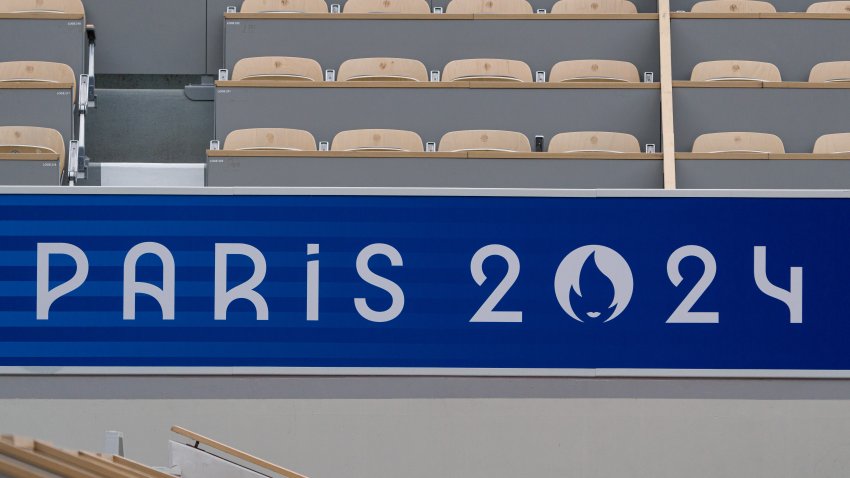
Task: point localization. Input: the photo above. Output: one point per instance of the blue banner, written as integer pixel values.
(424, 282)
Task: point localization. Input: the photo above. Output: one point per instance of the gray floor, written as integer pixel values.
(148, 125)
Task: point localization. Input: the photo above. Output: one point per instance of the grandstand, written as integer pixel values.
(693, 143)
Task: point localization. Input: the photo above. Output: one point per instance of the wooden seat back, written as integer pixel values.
(270, 139)
(484, 140)
(738, 142)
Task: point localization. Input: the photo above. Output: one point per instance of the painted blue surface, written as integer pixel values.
(437, 237)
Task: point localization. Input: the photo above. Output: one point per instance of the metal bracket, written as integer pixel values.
(650, 148)
(83, 94)
(203, 92)
(648, 77)
(539, 143)
(215, 145)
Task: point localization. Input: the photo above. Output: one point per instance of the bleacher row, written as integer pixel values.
(284, 139)
(273, 90)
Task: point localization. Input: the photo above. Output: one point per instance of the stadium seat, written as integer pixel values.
(31, 139)
(830, 71)
(594, 141)
(594, 70)
(484, 140)
(38, 72)
(829, 7)
(509, 7)
(593, 6)
(284, 6)
(735, 70)
(265, 139)
(377, 140)
(486, 70)
(738, 142)
(832, 144)
(733, 6)
(386, 6)
(280, 68)
(382, 69)
(42, 6)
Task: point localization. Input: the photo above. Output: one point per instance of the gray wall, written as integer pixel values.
(459, 427)
(797, 116)
(793, 45)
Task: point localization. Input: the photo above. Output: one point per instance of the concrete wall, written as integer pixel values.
(471, 427)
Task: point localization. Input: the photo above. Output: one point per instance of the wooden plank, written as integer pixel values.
(74, 460)
(29, 157)
(41, 16)
(126, 462)
(339, 84)
(347, 16)
(717, 84)
(266, 465)
(15, 469)
(572, 85)
(751, 16)
(401, 154)
(43, 462)
(722, 156)
(108, 464)
(805, 85)
(19, 441)
(765, 156)
(668, 140)
(799, 85)
(588, 156)
(327, 154)
(505, 85)
(568, 16)
(34, 85)
(437, 17)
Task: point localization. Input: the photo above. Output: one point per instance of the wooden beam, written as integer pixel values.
(668, 143)
(266, 465)
(126, 462)
(16, 469)
(43, 462)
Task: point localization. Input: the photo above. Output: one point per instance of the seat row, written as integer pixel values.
(760, 6)
(403, 69)
(571, 7)
(36, 140)
(750, 142)
(286, 139)
(455, 6)
(284, 68)
(509, 7)
(746, 70)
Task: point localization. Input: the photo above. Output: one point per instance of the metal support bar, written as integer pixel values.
(92, 96)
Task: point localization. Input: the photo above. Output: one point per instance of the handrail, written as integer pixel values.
(266, 465)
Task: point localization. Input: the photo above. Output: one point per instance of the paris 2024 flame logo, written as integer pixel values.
(594, 283)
